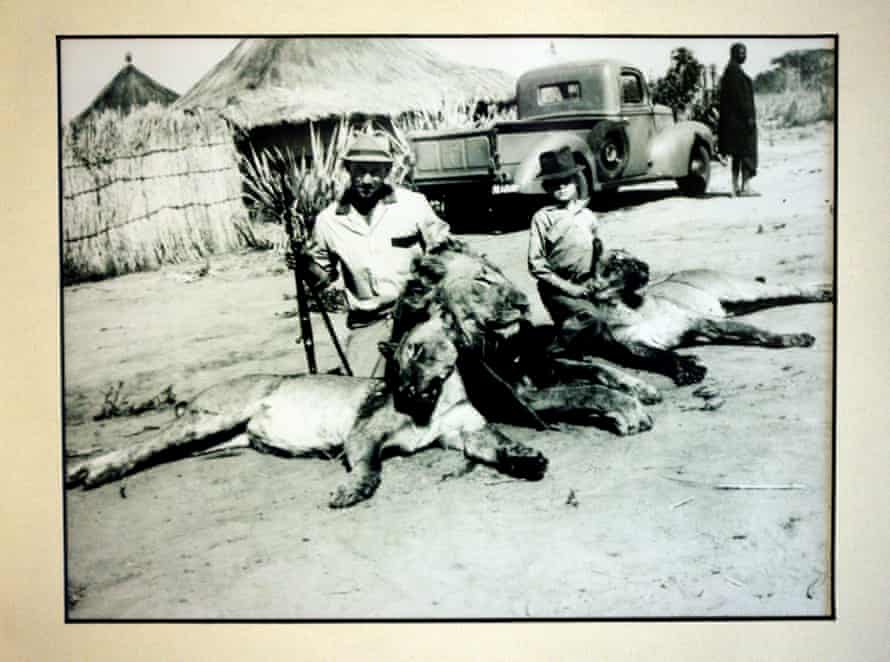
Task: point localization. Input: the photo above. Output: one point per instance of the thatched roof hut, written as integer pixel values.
(129, 89)
(265, 82)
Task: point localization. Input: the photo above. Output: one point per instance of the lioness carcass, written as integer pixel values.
(639, 324)
(304, 415)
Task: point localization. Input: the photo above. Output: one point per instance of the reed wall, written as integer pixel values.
(147, 189)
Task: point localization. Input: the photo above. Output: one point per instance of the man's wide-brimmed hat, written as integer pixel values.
(368, 148)
(559, 164)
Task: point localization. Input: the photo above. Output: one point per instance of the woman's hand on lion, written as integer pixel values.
(596, 290)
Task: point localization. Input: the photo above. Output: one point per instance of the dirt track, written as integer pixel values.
(251, 536)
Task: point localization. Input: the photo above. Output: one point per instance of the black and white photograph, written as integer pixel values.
(464, 328)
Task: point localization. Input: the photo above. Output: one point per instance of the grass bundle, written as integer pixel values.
(458, 115)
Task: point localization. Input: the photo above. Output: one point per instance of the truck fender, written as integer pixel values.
(670, 149)
(527, 172)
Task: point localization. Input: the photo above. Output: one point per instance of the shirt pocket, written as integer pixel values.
(407, 240)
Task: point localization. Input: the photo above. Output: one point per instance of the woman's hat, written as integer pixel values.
(367, 148)
(558, 164)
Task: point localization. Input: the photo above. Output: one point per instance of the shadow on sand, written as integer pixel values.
(511, 214)
(499, 215)
(630, 198)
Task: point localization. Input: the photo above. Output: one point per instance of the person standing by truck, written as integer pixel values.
(372, 234)
(737, 133)
(562, 236)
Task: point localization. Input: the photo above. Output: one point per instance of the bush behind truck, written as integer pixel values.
(601, 109)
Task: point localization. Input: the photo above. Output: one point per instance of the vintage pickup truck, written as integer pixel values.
(601, 109)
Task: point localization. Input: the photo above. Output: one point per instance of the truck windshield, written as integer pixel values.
(558, 92)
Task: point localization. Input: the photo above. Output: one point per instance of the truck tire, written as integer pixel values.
(609, 143)
(696, 182)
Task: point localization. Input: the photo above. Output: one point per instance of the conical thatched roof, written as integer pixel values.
(129, 89)
(270, 81)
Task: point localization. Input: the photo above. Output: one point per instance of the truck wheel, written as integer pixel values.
(609, 143)
(696, 182)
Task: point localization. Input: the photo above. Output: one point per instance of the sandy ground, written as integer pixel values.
(249, 536)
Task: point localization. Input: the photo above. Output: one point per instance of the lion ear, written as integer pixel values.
(388, 349)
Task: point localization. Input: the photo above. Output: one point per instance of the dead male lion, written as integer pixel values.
(639, 324)
(459, 299)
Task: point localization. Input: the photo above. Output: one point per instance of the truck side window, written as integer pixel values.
(631, 88)
(558, 92)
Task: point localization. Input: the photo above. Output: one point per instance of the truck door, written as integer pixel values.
(636, 109)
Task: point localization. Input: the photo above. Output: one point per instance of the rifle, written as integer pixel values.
(297, 236)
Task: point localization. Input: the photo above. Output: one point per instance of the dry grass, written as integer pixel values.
(456, 116)
(110, 135)
(146, 189)
(129, 89)
(795, 108)
(272, 80)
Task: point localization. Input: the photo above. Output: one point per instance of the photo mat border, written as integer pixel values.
(832, 547)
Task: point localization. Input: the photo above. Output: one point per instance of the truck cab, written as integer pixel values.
(601, 109)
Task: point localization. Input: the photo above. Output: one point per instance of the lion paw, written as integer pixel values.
(627, 422)
(688, 371)
(355, 491)
(89, 474)
(520, 461)
(646, 393)
(76, 475)
(825, 292)
(639, 389)
(460, 472)
(801, 340)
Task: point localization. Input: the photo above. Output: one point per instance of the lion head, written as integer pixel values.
(456, 302)
(418, 367)
(620, 274)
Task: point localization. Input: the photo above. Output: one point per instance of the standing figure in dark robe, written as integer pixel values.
(738, 121)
